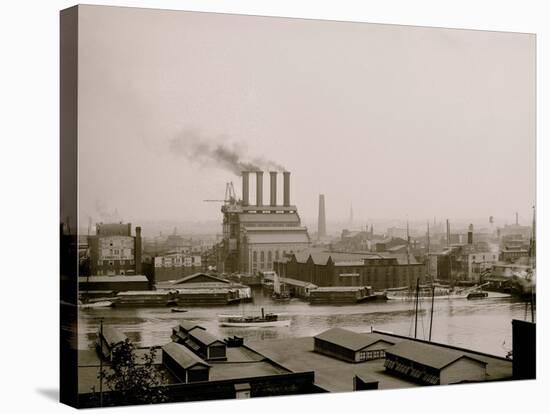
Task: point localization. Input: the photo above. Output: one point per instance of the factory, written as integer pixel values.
(256, 235)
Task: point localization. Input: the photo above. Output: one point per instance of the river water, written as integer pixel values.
(484, 325)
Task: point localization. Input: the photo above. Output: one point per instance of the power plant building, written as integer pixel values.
(256, 235)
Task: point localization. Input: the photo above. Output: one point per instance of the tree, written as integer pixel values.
(133, 380)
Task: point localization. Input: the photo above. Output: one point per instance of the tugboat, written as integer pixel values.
(243, 321)
(477, 295)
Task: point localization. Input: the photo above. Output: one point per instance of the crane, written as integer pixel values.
(230, 196)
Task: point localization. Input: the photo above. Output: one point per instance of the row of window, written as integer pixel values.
(369, 355)
(112, 262)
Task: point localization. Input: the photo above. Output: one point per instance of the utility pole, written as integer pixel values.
(416, 308)
(432, 312)
(101, 363)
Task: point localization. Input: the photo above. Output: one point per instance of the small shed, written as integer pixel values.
(433, 365)
(180, 333)
(108, 338)
(351, 346)
(183, 364)
(206, 345)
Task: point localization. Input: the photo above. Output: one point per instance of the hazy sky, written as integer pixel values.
(398, 121)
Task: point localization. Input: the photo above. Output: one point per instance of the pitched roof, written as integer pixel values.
(183, 356)
(349, 339)
(188, 326)
(428, 355)
(190, 278)
(203, 336)
(113, 336)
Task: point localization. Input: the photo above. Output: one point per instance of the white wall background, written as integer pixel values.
(29, 200)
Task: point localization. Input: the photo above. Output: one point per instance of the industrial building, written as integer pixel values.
(114, 250)
(432, 365)
(206, 289)
(337, 370)
(256, 235)
(174, 266)
(190, 374)
(351, 346)
(328, 268)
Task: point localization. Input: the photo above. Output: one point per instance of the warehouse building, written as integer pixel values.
(380, 271)
(431, 365)
(351, 346)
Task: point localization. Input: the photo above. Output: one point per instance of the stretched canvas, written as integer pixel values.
(262, 206)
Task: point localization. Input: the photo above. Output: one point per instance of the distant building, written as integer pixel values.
(114, 250)
(174, 266)
(254, 236)
(324, 268)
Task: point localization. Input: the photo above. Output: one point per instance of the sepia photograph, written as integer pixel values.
(258, 206)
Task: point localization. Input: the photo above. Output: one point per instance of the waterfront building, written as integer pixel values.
(255, 236)
(188, 376)
(174, 266)
(377, 270)
(205, 288)
(114, 250)
(108, 285)
(432, 365)
(351, 346)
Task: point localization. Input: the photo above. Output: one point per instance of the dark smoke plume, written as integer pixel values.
(212, 152)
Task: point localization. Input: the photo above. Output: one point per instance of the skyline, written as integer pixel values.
(466, 97)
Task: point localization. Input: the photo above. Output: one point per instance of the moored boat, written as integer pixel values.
(102, 304)
(244, 321)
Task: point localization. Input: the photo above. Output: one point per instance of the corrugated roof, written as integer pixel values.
(349, 339)
(428, 355)
(183, 356)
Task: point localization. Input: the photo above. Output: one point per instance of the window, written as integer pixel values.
(254, 256)
(262, 256)
(269, 257)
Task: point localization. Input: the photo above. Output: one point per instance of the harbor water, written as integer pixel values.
(483, 325)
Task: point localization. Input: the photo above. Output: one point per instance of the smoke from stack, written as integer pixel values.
(212, 152)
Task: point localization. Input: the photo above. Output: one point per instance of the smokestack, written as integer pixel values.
(245, 176)
(286, 187)
(471, 234)
(273, 188)
(137, 254)
(259, 188)
(321, 223)
(448, 233)
(517, 220)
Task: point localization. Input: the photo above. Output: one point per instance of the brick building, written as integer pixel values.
(380, 271)
(114, 250)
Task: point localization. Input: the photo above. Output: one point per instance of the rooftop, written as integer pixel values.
(349, 339)
(182, 355)
(334, 375)
(428, 355)
(118, 278)
(203, 336)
